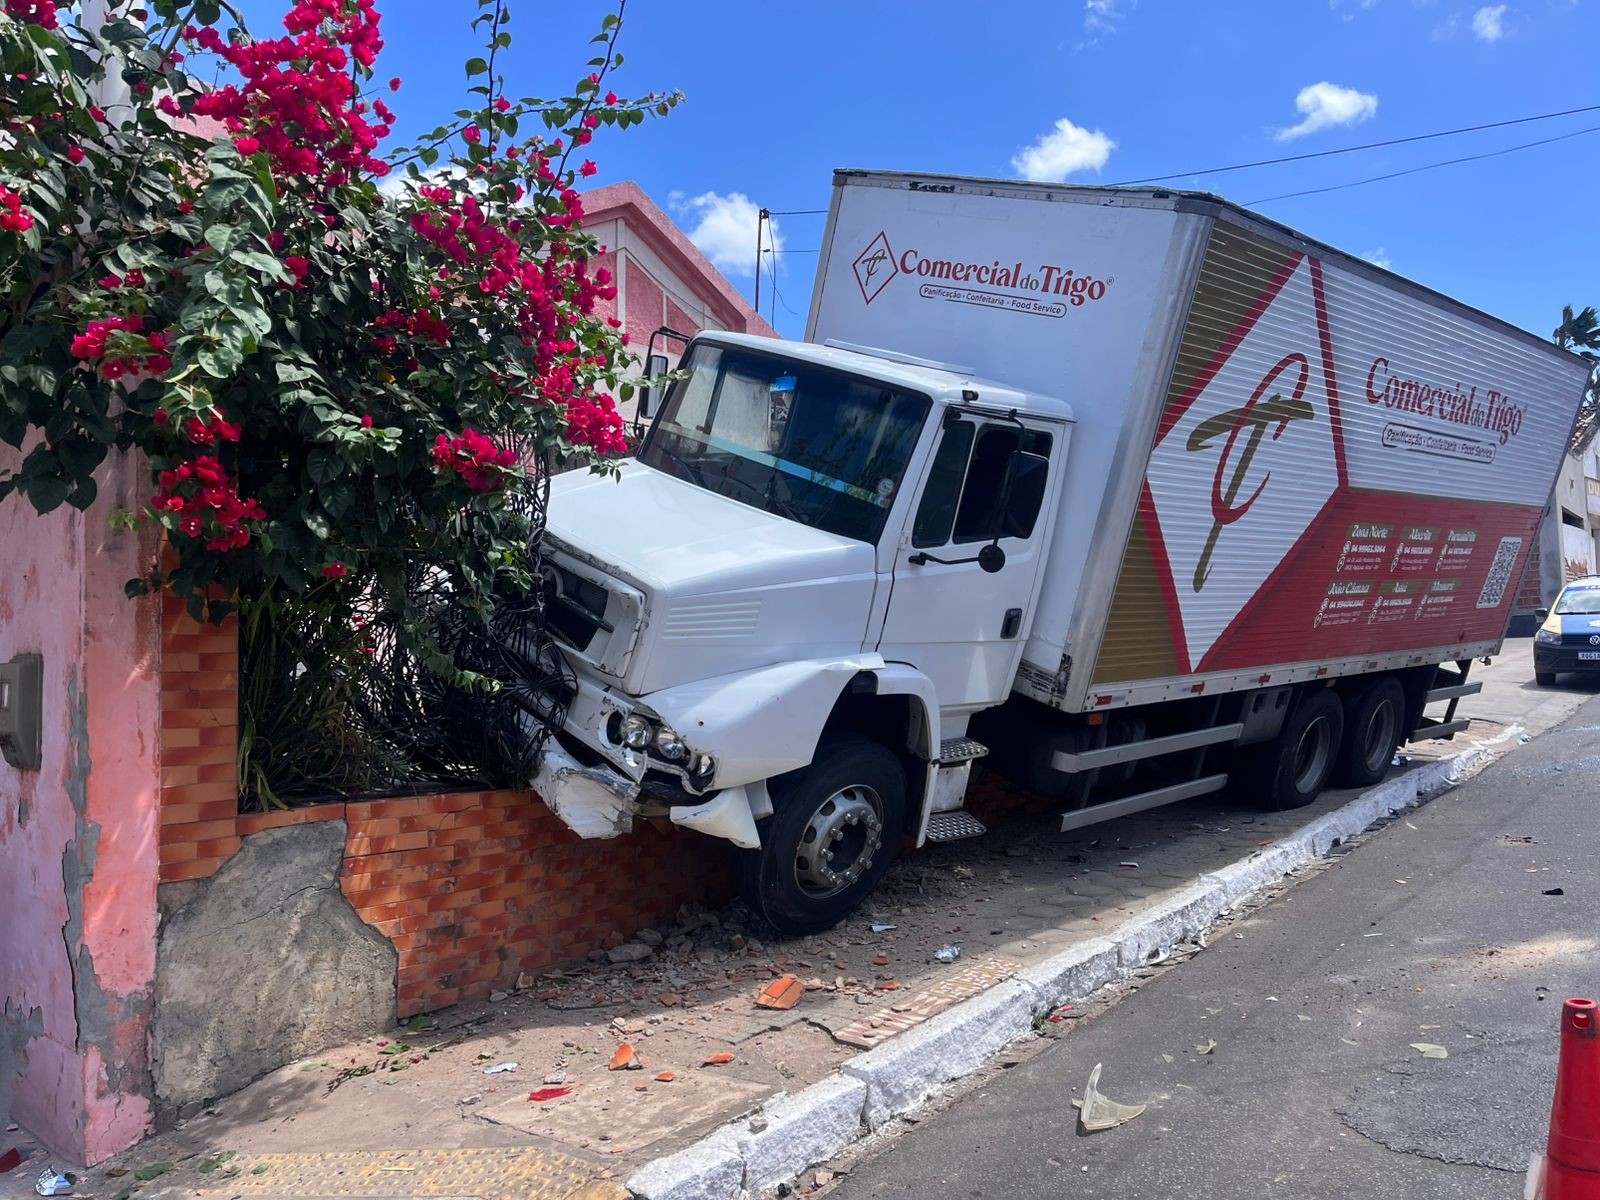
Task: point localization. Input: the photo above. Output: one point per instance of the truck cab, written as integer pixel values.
(780, 616)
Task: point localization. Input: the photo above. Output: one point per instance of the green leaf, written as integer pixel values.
(477, 66)
(324, 465)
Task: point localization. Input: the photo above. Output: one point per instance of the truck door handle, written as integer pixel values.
(1012, 623)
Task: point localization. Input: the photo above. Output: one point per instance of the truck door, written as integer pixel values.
(989, 490)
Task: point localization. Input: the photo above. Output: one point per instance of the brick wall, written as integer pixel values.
(471, 888)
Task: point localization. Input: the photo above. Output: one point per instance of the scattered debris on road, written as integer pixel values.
(500, 1068)
(1430, 1050)
(1096, 1113)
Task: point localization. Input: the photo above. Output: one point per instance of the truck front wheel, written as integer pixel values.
(1290, 771)
(834, 830)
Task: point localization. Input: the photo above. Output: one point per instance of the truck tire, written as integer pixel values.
(1373, 716)
(852, 798)
(1292, 769)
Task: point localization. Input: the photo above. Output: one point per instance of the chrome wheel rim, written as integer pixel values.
(1380, 735)
(1311, 755)
(839, 841)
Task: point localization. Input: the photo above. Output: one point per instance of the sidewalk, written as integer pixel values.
(561, 1122)
(1442, 930)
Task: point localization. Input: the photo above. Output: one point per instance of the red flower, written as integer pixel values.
(98, 114)
(502, 105)
(335, 571)
(471, 134)
(394, 84)
(74, 154)
(611, 98)
(366, 421)
(161, 417)
(588, 169)
(110, 282)
(12, 218)
(186, 206)
(298, 266)
(246, 145)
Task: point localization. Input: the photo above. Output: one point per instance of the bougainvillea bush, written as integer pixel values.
(343, 363)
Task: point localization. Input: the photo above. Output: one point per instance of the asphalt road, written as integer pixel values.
(1436, 930)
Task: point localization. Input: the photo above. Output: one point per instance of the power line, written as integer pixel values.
(1419, 137)
(1449, 162)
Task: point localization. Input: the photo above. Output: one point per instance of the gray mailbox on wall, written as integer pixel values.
(21, 689)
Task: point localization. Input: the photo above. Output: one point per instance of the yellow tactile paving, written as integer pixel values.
(508, 1174)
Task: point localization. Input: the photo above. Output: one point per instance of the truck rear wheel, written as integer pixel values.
(1292, 769)
(1372, 720)
(834, 830)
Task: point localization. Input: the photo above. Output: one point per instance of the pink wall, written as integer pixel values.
(78, 856)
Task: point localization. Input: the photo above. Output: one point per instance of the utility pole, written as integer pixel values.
(761, 218)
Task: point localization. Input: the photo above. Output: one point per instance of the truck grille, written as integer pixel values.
(575, 607)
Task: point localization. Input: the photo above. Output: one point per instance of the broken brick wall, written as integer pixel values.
(470, 888)
(78, 836)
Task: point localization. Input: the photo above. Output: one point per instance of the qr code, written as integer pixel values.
(1494, 587)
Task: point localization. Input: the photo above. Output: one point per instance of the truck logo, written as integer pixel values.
(875, 267)
(1257, 416)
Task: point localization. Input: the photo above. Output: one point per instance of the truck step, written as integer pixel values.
(959, 750)
(954, 825)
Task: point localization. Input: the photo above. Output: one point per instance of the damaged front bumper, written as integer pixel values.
(602, 800)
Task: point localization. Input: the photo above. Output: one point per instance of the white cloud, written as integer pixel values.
(1103, 16)
(1323, 105)
(1065, 149)
(725, 229)
(1488, 23)
(1379, 258)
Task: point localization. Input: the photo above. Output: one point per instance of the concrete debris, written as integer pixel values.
(629, 952)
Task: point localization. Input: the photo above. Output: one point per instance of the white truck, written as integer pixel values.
(1133, 491)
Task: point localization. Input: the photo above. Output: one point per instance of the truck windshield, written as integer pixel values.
(817, 446)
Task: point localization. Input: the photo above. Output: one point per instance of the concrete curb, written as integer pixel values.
(793, 1132)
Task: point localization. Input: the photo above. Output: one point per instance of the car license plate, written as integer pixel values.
(1583, 654)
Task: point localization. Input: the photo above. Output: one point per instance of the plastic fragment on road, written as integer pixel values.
(884, 928)
(717, 1060)
(782, 993)
(625, 1059)
(1096, 1113)
(1206, 1047)
(548, 1093)
(501, 1068)
(1430, 1050)
(52, 1182)
(947, 954)
(1555, 891)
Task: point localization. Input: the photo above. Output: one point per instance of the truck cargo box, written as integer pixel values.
(1288, 463)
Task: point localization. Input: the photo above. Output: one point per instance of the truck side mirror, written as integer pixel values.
(991, 558)
(650, 394)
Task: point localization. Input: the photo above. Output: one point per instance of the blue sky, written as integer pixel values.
(780, 92)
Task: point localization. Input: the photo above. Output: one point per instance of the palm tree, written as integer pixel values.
(1580, 332)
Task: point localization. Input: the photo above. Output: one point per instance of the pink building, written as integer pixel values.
(662, 278)
(131, 810)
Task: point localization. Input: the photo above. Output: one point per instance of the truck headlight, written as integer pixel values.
(702, 770)
(670, 745)
(636, 732)
(1547, 636)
